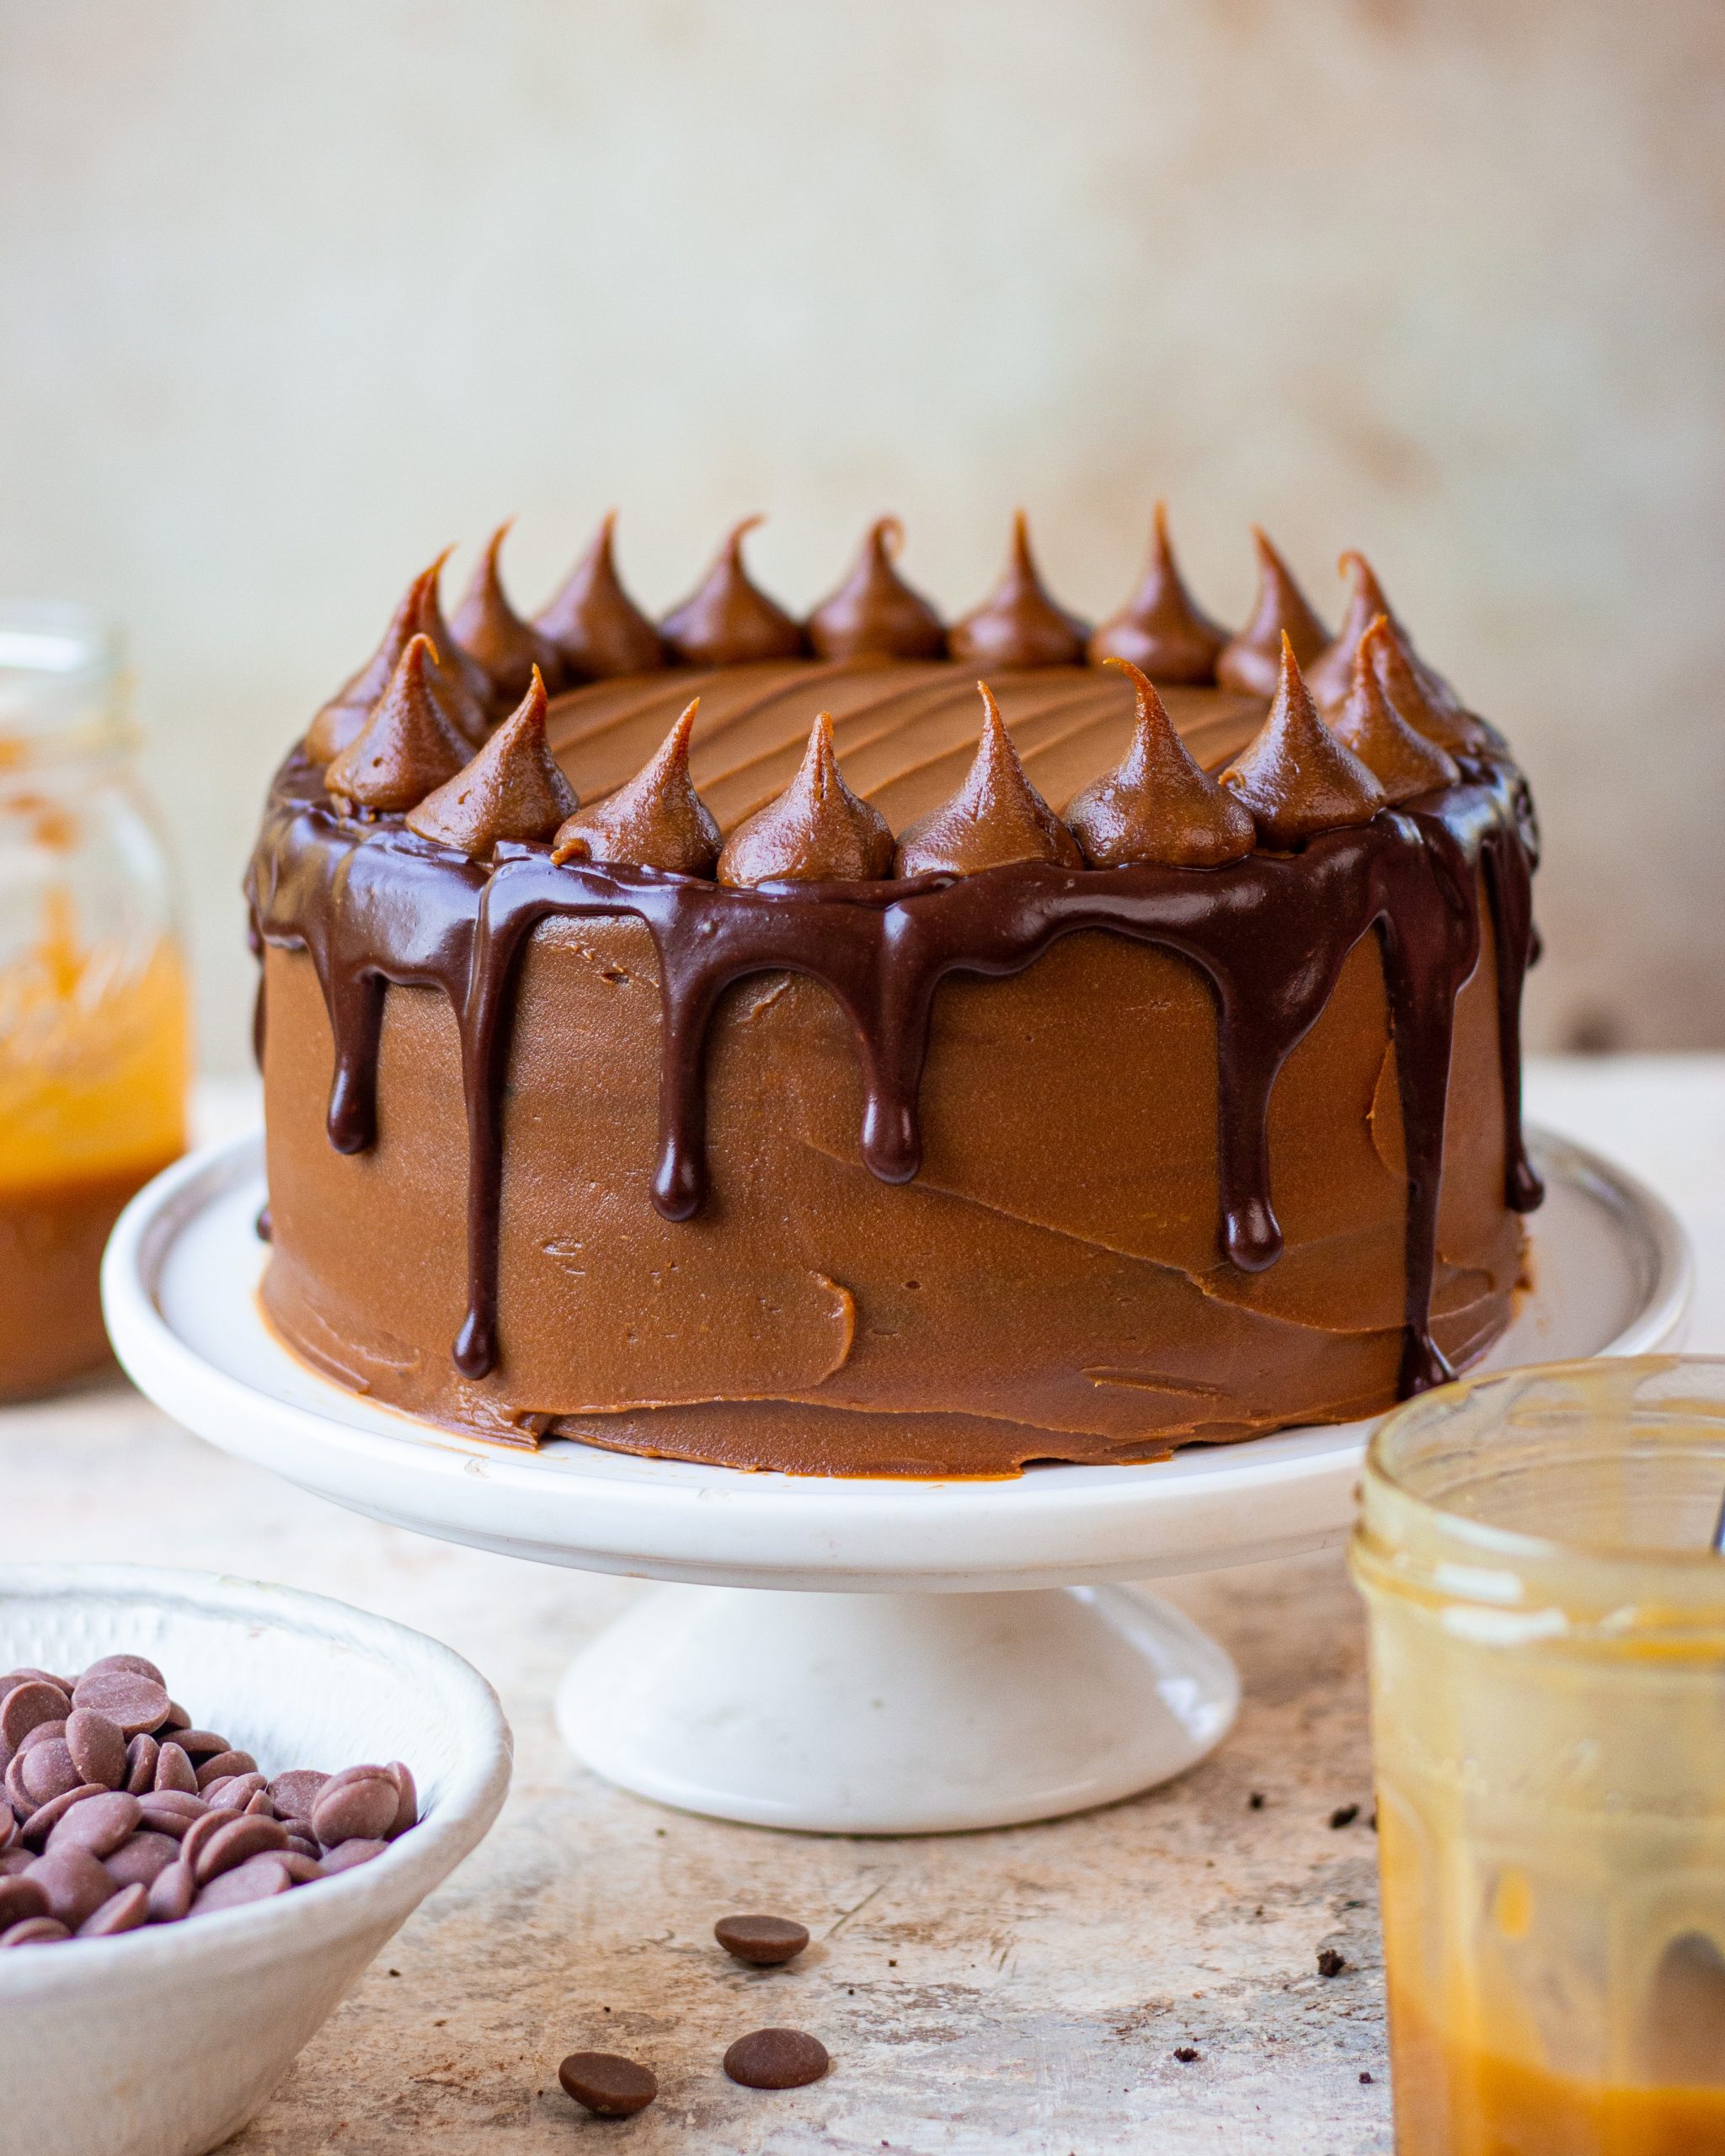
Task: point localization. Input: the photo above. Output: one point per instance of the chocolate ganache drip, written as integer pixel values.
(1251, 661)
(874, 614)
(995, 817)
(405, 748)
(816, 831)
(728, 621)
(1294, 776)
(1160, 628)
(1157, 805)
(1018, 624)
(503, 646)
(656, 821)
(1404, 763)
(511, 790)
(593, 623)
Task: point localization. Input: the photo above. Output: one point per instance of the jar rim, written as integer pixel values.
(62, 682)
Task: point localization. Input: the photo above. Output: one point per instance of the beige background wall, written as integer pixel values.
(290, 296)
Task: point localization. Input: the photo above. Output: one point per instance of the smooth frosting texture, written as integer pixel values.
(1018, 624)
(817, 830)
(1404, 763)
(728, 620)
(1330, 676)
(596, 626)
(874, 614)
(506, 648)
(995, 817)
(511, 790)
(1296, 777)
(1252, 660)
(1160, 628)
(406, 747)
(1157, 804)
(1424, 699)
(657, 820)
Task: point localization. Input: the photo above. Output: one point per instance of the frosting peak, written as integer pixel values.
(1252, 660)
(874, 613)
(510, 790)
(1330, 676)
(1018, 624)
(817, 830)
(1295, 776)
(996, 816)
(728, 621)
(405, 747)
(1403, 762)
(1157, 805)
(347, 711)
(460, 684)
(1160, 628)
(494, 637)
(656, 821)
(1420, 697)
(596, 627)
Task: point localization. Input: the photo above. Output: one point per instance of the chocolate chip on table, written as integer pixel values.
(610, 2087)
(1344, 1815)
(765, 1942)
(1187, 2054)
(777, 2058)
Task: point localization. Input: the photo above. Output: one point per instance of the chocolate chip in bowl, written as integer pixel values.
(212, 1887)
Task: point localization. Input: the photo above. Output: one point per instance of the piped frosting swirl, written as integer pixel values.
(996, 816)
(1252, 660)
(1403, 762)
(1018, 624)
(342, 718)
(657, 820)
(511, 790)
(1157, 805)
(593, 623)
(729, 621)
(1160, 628)
(1294, 776)
(816, 831)
(405, 748)
(874, 614)
(494, 637)
(1423, 698)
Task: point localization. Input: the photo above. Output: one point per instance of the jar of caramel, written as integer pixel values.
(93, 1037)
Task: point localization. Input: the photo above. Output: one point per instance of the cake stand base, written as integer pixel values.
(896, 1714)
(852, 1657)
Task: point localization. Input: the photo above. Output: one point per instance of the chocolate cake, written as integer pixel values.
(869, 1045)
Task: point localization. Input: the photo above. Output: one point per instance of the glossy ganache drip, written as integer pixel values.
(727, 620)
(1160, 628)
(1018, 624)
(874, 614)
(499, 643)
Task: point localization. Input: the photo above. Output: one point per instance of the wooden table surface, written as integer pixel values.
(1026, 1990)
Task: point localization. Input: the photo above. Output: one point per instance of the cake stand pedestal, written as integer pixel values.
(929, 1656)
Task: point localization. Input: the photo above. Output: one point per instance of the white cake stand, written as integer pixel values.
(933, 1655)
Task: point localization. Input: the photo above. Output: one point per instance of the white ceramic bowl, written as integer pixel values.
(164, 2042)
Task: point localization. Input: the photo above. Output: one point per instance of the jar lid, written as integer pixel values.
(63, 685)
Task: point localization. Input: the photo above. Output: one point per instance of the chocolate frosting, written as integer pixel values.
(506, 648)
(1330, 676)
(817, 830)
(874, 614)
(511, 790)
(1157, 805)
(460, 685)
(1160, 628)
(593, 621)
(1423, 699)
(1252, 660)
(1296, 777)
(406, 747)
(995, 817)
(1018, 624)
(728, 621)
(341, 719)
(656, 821)
(1404, 763)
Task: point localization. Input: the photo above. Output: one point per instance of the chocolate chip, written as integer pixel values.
(46, 1817)
(200, 1831)
(1186, 2054)
(141, 1860)
(224, 1765)
(43, 1732)
(407, 1808)
(255, 1881)
(140, 1757)
(99, 1824)
(777, 2058)
(1330, 1963)
(200, 1743)
(170, 1811)
(233, 1845)
(174, 1770)
(20, 1898)
(359, 1809)
(34, 1931)
(133, 1665)
(35, 1701)
(47, 1771)
(123, 1912)
(762, 1941)
(76, 1884)
(610, 2087)
(1344, 1815)
(1256, 1800)
(296, 1792)
(171, 1893)
(236, 1791)
(136, 1702)
(1364, 2079)
(346, 1854)
(300, 1867)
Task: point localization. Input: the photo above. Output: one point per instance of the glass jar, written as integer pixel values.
(1539, 1554)
(93, 1008)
